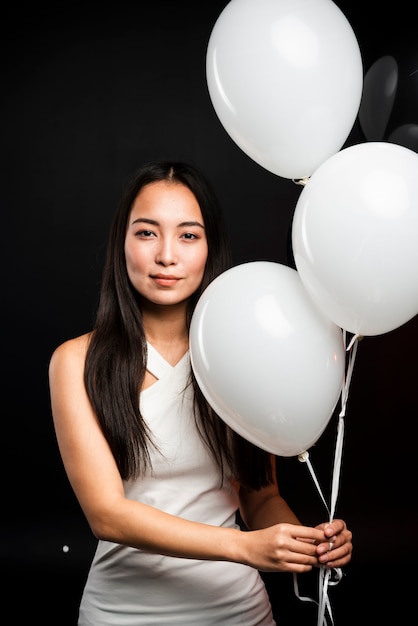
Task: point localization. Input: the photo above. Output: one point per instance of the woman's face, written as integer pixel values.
(165, 244)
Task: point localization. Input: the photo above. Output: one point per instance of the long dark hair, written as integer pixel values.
(116, 357)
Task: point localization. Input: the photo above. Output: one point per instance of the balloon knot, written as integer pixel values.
(300, 181)
(303, 456)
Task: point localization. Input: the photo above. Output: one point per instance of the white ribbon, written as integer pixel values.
(327, 576)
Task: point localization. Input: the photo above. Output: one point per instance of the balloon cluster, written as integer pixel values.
(285, 78)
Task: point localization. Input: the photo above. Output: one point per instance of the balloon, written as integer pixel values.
(355, 237)
(285, 78)
(265, 358)
(379, 91)
(405, 135)
(406, 103)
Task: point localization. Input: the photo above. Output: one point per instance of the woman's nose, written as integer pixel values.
(166, 253)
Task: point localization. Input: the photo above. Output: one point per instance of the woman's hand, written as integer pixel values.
(287, 547)
(283, 547)
(336, 549)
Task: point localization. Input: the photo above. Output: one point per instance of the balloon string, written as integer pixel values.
(352, 352)
(325, 580)
(304, 458)
(324, 604)
(325, 574)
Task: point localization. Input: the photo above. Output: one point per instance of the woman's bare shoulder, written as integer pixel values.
(71, 350)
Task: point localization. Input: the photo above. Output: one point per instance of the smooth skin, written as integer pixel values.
(166, 251)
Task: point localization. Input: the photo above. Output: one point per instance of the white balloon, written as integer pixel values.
(266, 359)
(355, 237)
(285, 78)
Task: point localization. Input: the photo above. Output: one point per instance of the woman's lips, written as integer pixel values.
(165, 280)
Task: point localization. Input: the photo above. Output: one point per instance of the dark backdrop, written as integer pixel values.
(89, 92)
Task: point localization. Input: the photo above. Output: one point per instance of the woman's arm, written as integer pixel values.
(265, 507)
(96, 481)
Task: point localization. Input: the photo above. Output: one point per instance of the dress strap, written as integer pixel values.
(156, 364)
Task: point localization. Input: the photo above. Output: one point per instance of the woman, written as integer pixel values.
(158, 475)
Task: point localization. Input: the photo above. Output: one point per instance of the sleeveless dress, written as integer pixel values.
(130, 587)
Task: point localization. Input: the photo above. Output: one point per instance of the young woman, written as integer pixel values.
(158, 475)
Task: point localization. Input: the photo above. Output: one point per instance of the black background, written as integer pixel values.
(89, 92)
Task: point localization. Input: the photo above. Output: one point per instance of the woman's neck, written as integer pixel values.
(166, 329)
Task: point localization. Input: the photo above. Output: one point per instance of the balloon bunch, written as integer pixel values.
(267, 342)
(285, 78)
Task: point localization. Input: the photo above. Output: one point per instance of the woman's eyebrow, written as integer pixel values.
(191, 223)
(147, 220)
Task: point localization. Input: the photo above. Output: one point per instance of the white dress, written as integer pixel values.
(130, 587)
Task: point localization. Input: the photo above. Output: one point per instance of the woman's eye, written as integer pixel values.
(189, 236)
(144, 233)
